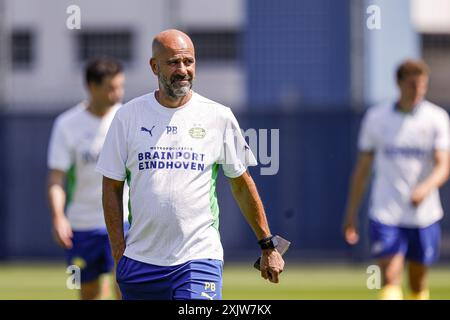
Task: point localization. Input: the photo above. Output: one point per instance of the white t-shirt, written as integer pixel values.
(75, 144)
(171, 159)
(404, 146)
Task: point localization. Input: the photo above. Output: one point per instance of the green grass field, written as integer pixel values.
(48, 281)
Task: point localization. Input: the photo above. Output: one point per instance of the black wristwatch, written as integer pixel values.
(268, 243)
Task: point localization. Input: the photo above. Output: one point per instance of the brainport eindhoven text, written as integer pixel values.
(186, 160)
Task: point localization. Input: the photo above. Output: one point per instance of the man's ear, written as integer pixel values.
(154, 65)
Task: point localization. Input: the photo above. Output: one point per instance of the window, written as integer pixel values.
(216, 45)
(21, 49)
(431, 40)
(92, 44)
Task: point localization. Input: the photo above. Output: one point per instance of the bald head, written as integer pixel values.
(171, 40)
(173, 62)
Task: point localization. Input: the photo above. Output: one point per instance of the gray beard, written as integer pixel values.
(172, 92)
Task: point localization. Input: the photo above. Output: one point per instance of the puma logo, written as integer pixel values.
(204, 294)
(144, 129)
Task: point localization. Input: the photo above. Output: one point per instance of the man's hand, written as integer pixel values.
(351, 233)
(438, 176)
(62, 232)
(419, 193)
(272, 264)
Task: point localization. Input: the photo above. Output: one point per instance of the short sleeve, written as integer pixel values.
(442, 136)
(113, 157)
(59, 154)
(236, 155)
(366, 139)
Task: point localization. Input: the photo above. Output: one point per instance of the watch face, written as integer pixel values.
(267, 245)
(270, 243)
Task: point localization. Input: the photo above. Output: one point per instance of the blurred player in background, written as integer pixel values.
(169, 144)
(409, 142)
(76, 141)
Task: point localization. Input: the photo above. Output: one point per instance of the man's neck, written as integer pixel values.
(98, 110)
(170, 102)
(407, 105)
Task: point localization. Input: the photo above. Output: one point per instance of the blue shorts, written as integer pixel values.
(195, 279)
(420, 245)
(91, 252)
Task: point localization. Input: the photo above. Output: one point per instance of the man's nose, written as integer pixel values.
(181, 68)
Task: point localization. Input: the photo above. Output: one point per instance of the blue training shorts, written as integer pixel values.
(194, 280)
(419, 245)
(91, 252)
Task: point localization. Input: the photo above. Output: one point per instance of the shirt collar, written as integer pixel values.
(412, 112)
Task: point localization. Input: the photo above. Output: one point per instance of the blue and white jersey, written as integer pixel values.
(76, 141)
(404, 146)
(170, 158)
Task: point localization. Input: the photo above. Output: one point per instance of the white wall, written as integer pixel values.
(56, 78)
(431, 16)
(207, 13)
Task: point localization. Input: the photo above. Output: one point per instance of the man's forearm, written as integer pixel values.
(113, 211)
(359, 181)
(56, 193)
(56, 199)
(357, 190)
(247, 197)
(437, 177)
